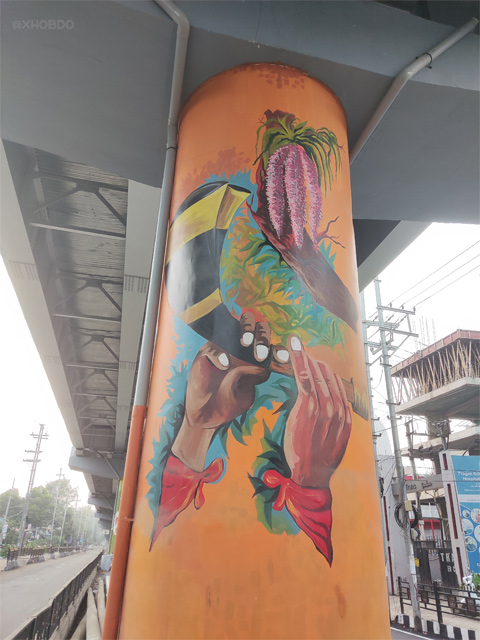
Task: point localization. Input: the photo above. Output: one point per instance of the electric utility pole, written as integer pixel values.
(59, 476)
(84, 528)
(79, 527)
(39, 437)
(410, 433)
(375, 435)
(5, 525)
(67, 502)
(92, 534)
(385, 328)
(373, 419)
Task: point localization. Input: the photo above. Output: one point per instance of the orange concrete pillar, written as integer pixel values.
(257, 514)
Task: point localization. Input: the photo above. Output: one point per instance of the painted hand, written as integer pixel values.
(221, 388)
(319, 425)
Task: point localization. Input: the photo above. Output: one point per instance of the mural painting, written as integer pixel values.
(258, 331)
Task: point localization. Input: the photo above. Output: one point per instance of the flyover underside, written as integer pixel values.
(82, 281)
(402, 181)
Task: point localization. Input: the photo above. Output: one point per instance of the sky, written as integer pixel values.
(438, 276)
(450, 252)
(28, 401)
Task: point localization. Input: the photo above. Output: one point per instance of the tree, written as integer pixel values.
(78, 524)
(14, 513)
(40, 512)
(64, 489)
(63, 494)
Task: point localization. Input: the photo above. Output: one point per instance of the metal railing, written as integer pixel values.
(12, 554)
(36, 555)
(43, 624)
(431, 544)
(434, 597)
(12, 559)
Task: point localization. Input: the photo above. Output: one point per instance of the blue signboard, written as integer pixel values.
(467, 479)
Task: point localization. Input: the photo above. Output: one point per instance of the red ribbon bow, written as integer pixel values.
(310, 507)
(181, 485)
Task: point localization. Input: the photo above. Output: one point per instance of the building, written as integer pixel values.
(442, 383)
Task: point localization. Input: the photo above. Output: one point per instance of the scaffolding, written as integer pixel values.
(450, 367)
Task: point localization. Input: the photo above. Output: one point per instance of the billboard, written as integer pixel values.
(467, 481)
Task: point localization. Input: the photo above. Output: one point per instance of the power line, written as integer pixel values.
(447, 285)
(446, 276)
(436, 271)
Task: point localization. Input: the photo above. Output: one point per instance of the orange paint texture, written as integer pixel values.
(218, 570)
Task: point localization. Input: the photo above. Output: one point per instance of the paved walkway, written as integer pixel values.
(26, 590)
(448, 618)
(398, 634)
(21, 561)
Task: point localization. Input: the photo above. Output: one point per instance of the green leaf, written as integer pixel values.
(266, 430)
(268, 515)
(257, 483)
(238, 436)
(269, 455)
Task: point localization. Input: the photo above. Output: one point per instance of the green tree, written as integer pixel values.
(14, 513)
(65, 490)
(40, 511)
(63, 493)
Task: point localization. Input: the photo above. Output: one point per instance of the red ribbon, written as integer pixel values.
(310, 507)
(180, 486)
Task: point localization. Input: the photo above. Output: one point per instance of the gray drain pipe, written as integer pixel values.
(132, 463)
(402, 79)
(156, 275)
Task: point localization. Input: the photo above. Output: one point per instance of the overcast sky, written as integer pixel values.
(27, 399)
(438, 275)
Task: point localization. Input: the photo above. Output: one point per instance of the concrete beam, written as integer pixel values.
(391, 247)
(106, 523)
(104, 503)
(111, 468)
(142, 213)
(456, 400)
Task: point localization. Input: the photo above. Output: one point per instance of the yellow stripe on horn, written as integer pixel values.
(215, 210)
(201, 308)
(232, 199)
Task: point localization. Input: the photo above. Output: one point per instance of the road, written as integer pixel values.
(25, 590)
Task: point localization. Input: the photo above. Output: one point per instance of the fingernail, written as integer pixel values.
(261, 351)
(295, 343)
(247, 338)
(282, 355)
(223, 359)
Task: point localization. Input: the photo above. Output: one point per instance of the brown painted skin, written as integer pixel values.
(218, 572)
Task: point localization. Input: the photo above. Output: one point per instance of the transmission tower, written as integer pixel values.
(36, 452)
